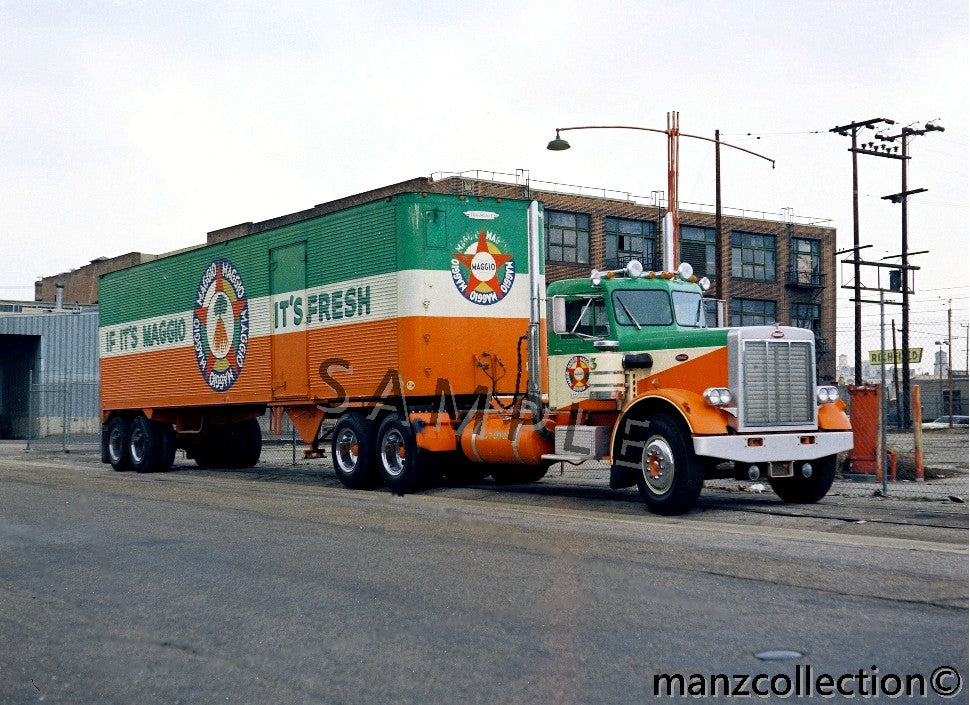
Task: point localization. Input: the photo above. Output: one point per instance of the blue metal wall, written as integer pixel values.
(61, 351)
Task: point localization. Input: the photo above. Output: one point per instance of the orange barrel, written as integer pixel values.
(499, 437)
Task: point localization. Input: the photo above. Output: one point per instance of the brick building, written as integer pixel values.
(80, 286)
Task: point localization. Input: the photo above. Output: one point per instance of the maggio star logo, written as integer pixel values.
(481, 271)
(220, 325)
(577, 373)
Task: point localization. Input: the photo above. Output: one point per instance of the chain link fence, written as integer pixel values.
(63, 415)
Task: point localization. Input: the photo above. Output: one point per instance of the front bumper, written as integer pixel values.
(773, 447)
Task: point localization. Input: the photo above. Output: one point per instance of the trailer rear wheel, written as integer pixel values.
(670, 476)
(248, 444)
(352, 450)
(799, 489)
(116, 444)
(149, 445)
(400, 463)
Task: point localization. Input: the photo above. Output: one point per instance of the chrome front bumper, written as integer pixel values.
(773, 447)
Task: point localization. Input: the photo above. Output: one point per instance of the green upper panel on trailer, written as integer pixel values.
(437, 227)
(407, 231)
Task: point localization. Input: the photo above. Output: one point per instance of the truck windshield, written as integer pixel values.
(689, 309)
(642, 308)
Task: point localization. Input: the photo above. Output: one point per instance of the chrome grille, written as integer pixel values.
(777, 383)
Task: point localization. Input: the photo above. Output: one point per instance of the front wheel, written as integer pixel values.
(810, 482)
(670, 475)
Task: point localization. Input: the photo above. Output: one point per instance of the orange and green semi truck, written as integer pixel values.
(414, 337)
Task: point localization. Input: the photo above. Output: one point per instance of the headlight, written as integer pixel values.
(826, 394)
(717, 396)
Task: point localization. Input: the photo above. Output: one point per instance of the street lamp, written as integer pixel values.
(673, 134)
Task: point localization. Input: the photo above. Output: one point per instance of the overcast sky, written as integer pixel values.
(142, 125)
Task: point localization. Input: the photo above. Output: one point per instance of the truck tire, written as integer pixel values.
(169, 445)
(670, 476)
(247, 444)
(799, 489)
(212, 448)
(399, 462)
(116, 444)
(518, 474)
(147, 445)
(352, 450)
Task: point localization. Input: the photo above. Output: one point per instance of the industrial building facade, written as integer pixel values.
(48, 370)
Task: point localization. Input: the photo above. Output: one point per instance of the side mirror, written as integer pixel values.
(559, 315)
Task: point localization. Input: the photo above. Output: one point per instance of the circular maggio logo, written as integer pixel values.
(577, 373)
(480, 270)
(220, 325)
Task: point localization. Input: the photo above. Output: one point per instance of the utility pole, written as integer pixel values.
(718, 224)
(904, 136)
(899, 421)
(852, 130)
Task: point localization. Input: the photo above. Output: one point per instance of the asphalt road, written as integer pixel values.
(279, 586)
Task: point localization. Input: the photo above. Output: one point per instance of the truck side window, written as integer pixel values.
(587, 317)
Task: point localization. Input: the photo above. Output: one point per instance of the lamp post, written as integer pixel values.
(673, 134)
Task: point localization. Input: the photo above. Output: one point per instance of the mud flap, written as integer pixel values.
(621, 477)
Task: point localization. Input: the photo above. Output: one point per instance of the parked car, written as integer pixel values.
(944, 422)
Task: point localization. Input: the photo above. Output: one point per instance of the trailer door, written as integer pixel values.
(288, 348)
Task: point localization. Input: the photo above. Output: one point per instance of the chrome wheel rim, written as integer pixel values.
(348, 451)
(657, 466)
(137, 444)
(393, 452)
(116, 444)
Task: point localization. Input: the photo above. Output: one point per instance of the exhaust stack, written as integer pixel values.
(534, 364)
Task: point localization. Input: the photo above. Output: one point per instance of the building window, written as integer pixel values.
(806, 316)
(630, 239)
(697, 246)
(753, 312)
(753, 256)
(567, 237)
(806, 262)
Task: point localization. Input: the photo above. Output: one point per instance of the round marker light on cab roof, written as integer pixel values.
(634, 268)
(705, 283)
(685, 270)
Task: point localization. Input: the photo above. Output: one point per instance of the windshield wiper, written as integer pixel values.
(579, 319)
(627, 312)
